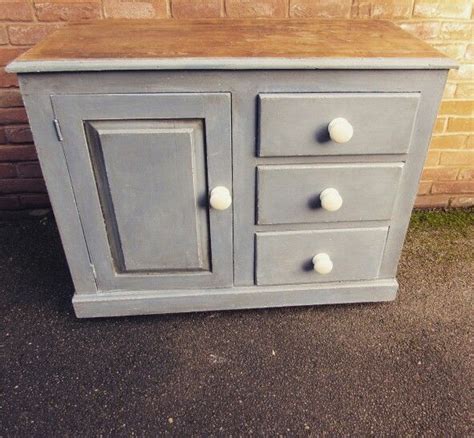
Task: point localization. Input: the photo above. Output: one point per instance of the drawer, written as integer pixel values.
(292, 193)
(287, 257)
(297, 124)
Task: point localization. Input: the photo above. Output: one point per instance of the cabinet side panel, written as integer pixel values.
(431, 92)
(60, 191)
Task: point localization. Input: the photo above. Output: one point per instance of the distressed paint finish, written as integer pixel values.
(245, 87)
(258, 252)
(286, 257)
(382, 123)
(290, 194)
(145, 217)
(173, 301)
(151, 178)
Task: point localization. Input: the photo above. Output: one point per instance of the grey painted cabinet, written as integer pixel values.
(231, 183)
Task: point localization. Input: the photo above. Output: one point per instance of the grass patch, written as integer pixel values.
(456, 220)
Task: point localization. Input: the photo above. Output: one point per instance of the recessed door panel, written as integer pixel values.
(151, 178)
(142, 167)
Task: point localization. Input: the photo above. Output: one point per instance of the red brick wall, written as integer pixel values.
(447, 24)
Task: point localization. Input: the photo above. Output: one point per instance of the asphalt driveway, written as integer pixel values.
(393, 369)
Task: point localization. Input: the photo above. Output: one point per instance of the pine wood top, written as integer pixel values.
(216, 43)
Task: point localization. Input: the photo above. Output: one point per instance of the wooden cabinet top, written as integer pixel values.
(229, 44)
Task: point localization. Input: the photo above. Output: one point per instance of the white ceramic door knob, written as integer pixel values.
(331, 200)
(322, 263)
(220, 198)
(340, 130)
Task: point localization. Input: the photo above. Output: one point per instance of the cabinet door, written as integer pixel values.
(142, 167)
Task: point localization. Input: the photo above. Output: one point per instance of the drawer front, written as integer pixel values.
(291, 194)
(297, 124)
(287, 257)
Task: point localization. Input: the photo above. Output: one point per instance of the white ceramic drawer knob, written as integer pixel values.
(220, 198)
(331, 200)
(340, 130)
(322, 263)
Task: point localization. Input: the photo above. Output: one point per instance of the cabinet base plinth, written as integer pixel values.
(124, 303)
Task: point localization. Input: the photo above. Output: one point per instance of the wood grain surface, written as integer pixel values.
(216, 38)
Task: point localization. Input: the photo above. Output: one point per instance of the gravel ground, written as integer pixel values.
(393, 369)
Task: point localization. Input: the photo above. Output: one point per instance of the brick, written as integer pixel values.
(443, 8)
(440, 125)
(456, 50)
(10, 98)
(9, 202)
(135, 9)
(424, 29)
(3, 35)
(464, 72)
(432, 201)
(7, 170)
(36, 2)
(12, 115)
(256, 8)
(457, 107)
(391, 8)
(50, 11)
(458, 187)
(432, 159)
(439, 174)
(11, 153)
(455, 31)
(196, 9)
(449, 90)
(7, 80)
(29, 34)
(462, 202)
(322, 8)
(424, 187)
(460, 124)
(361, 9)
(36, 200)
(17, 185)
(29, 170)
(16, 11)
(465, 90)
(381, 8)
(18, 134)
(448, 141)
(466, 174)
(457, 158)
(8, 54)
(469, 55)
(470, 142)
